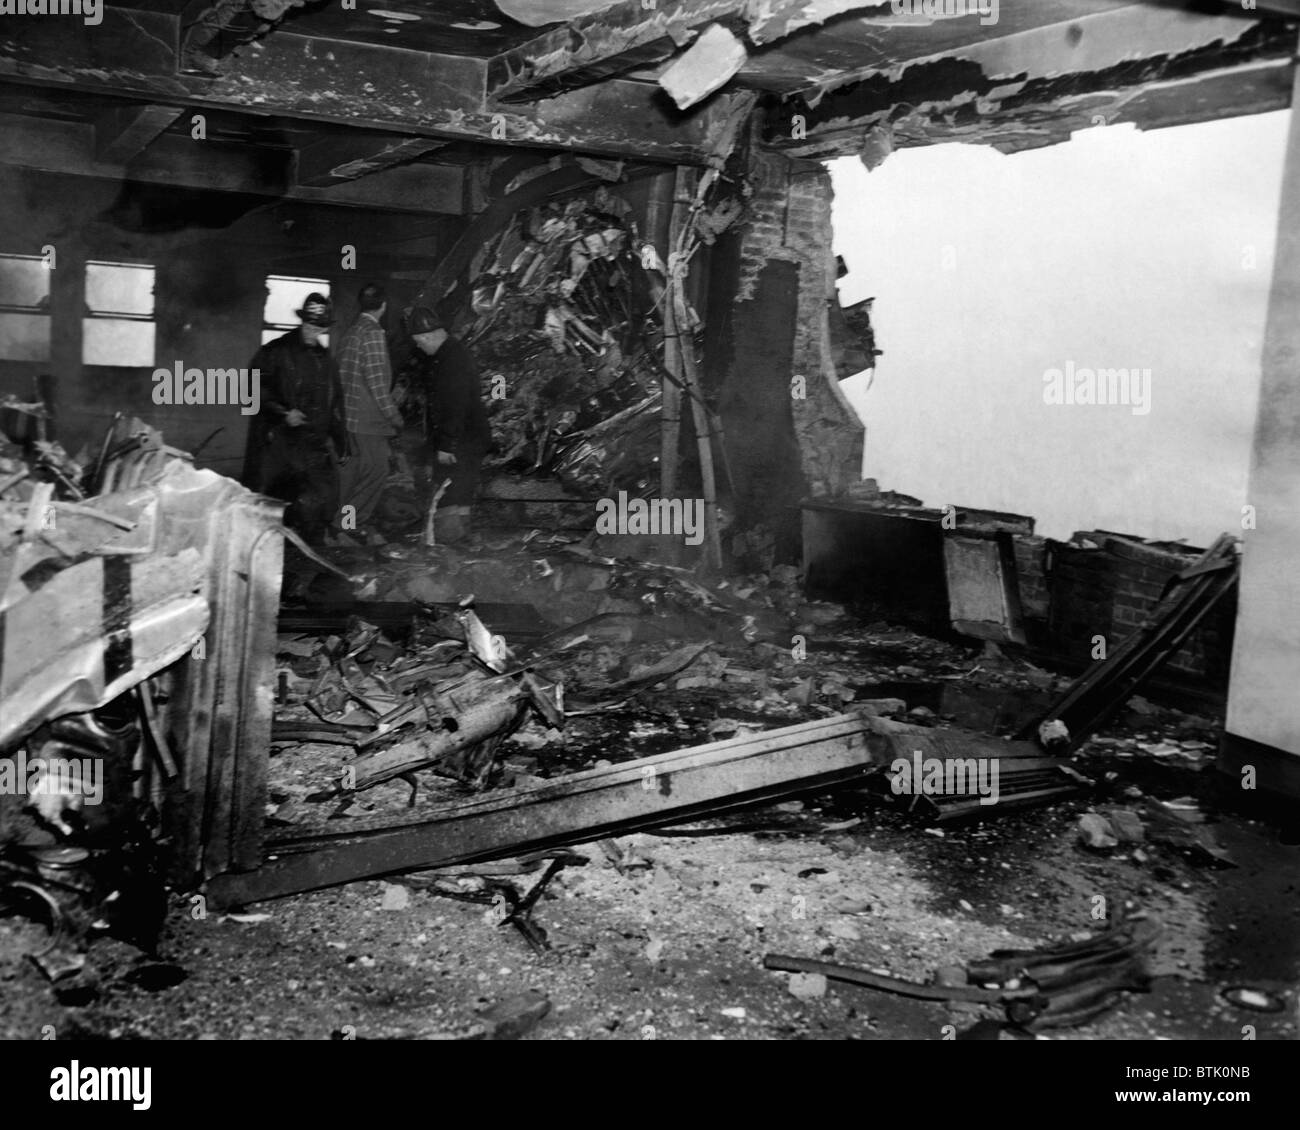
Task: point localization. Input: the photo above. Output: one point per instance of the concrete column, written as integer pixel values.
(1263, 725)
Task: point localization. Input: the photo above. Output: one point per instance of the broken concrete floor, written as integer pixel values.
(673, 951)
(669, 943)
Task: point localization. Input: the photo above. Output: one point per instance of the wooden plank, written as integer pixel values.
(483, 709)
(337, 160)
(1101, 690)
(257, 559)
(218, 716)
(946, 811)
(574, 809)
(125, 132)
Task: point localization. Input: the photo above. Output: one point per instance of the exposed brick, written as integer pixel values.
(789, 221)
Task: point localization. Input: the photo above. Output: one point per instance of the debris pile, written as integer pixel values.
(569, 578)
(565, 311)
(30, 456)
(1100, 691)
(445, 703)
(115, 573)
(1061, 986)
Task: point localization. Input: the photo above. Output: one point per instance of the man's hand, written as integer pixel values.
(446, 459)
(294, 418)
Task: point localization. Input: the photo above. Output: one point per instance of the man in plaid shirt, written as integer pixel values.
(371, 416)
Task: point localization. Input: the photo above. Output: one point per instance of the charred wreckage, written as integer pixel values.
(625, 576)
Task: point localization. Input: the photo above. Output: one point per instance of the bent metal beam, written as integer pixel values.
(578, 808)
(135, 53)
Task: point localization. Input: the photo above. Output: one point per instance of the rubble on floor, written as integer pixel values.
(1116, 677)
(1059, 986)
(439, 704)
(130, 590)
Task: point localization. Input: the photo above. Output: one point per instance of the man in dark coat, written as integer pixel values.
(296, 440)
(458, 435)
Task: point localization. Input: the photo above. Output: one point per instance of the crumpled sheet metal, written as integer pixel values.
(448, 704)
(57, 656)
(614, 453)
(93, 610)
(566, 313)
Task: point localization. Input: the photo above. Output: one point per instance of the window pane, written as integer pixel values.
(119, 288)
(117, 341)
(24, 281)
(24, 337)
(284, 296)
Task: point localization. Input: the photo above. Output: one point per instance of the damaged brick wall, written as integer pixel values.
(1109, 589)
(768, 310)
(890, 562)
(1031, 577)
(790, 221)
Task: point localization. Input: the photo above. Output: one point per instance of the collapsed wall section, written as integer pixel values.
(789, 431)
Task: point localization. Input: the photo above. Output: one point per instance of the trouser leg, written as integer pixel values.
(464, 475)
(363, 479)
(317, 500)
(452, 522)
(301, 473)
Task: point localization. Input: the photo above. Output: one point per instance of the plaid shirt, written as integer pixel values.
(366, 375)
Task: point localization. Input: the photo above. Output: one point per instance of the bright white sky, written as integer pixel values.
(1119, 249)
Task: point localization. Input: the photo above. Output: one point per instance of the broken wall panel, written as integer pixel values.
(884, 559)
(173, 577)
(983, 594)
(1126, 664)
(789, 431)
(1185, 69)
(990, 577)
(791, 222)
(57, 658)
(220, 698)
(1104, 586)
